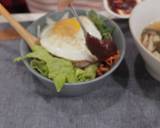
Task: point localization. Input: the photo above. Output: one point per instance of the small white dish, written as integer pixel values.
(142, 15)
(114, 14)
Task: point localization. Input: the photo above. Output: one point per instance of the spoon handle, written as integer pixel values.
(27, 36)
(77, 17)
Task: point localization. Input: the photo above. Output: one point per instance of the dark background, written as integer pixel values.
(15, 6)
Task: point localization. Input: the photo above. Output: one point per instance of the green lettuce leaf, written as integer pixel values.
(88, 73)
(59, 70)
(40, 66)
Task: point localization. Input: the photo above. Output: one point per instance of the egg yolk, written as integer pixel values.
(66, 27)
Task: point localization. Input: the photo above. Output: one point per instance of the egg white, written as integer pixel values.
(71, 48)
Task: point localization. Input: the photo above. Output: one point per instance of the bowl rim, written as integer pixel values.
(85, 82)
(109, 10)
(137, 41)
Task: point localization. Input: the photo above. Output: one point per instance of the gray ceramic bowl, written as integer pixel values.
(46, 86)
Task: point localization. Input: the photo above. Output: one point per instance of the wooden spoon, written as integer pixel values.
(30, 39)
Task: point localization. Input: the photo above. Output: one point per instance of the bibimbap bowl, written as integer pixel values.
(46, 86)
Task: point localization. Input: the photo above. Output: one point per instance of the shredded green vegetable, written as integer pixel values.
(99, 22)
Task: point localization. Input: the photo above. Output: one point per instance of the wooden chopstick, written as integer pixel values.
(11, 34)
(30, 39)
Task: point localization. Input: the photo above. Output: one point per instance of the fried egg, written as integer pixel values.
(65, 38)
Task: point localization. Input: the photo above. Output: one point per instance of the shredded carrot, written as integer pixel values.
(111, 60)
(107, 64)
